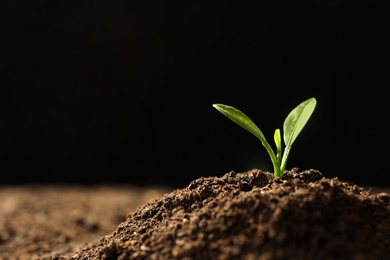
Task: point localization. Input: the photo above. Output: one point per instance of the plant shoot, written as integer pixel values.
(293, 125)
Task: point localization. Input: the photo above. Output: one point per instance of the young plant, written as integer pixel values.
(293, 124)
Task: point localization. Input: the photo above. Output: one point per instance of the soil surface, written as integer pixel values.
(41, 221)
(248, 215)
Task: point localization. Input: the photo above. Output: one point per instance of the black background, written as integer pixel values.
(122, 91)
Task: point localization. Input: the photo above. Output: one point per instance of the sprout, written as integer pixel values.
(293, 125)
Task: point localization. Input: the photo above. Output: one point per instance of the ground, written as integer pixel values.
(248, 215)
(40, 221)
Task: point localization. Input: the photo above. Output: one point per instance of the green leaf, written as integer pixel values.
(277, 139)
(240, 119)
(297, 119)
(245, 122)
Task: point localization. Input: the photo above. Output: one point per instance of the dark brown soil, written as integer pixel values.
(246, 215)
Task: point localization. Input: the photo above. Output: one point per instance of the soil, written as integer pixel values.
(39, 221)
(248, 215)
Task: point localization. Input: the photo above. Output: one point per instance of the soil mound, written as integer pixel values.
(252, 215)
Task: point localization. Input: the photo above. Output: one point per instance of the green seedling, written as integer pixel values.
(293, 124)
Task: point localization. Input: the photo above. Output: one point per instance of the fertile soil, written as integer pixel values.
(40, 221)
(248, 215)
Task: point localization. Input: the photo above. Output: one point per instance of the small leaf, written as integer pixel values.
(245, 122)
(297, 119)
(278, 140)
(240, 119)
